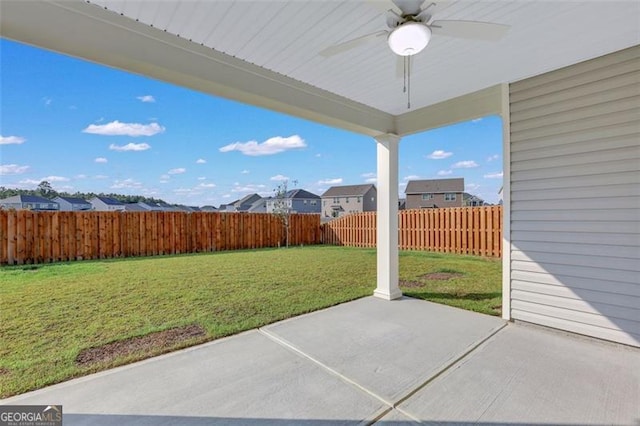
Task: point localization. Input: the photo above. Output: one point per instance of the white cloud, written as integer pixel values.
(11, 140)
(126, 184)
(335, 181)
(467, 164)
(207, 185)
(369, 177)
(411, 177)
(201, 161)
(177, 171)
(245, 172)
(101, 160)
(130, 147)
(318, 155)
(146, 98)
(493, 157)
(165, 177)
(445, 172)
(12, 169)
(476, 120)
(50, 179)
(497, 175)
(55, 179)
(271, 146)
(202, 178)
(47, 101)
(116, 128)
(279, 178)
(81, 176)
(439, 154)
(260, 189)
(471, 187)
(29, 182)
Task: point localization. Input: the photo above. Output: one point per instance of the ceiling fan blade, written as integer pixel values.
(470, 29)
(409, 7)
(348, 45)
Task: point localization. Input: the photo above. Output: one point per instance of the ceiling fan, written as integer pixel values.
(411, 27)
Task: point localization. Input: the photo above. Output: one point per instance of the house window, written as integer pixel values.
(347, 199)
(313, 202)
(359, 199)
(336, 200)
(305, 201)
(450, 196)
(324, 203)
(427, 196)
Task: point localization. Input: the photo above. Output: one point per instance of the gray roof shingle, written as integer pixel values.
(434, 186)
(348, 190)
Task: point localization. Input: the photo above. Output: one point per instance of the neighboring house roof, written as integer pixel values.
(434, 186)
(348, 190)
(73, 200)
(26, 199)
(134, 207)
(259, 205)
(109, 201)
(300, 194)
(208, 208)
(245, 203)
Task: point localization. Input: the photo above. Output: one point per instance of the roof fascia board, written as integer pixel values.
(463, 108)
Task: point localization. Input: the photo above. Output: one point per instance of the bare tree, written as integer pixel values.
(46, 190)
(282, 206)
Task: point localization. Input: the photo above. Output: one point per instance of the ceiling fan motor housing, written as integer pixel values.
(409, 38)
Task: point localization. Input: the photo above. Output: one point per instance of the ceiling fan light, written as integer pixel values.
(409, 38)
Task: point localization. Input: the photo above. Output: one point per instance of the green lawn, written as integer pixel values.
(49, 313)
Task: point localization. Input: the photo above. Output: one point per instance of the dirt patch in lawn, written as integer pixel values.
(4, 371)
(441, 276)
(150, 342)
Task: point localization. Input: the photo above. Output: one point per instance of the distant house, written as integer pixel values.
(134, 207)
(435, 193)
(208, 209)
(242, 205)
(29, 202)
(72, 204)
(297, 201)
(500, 195)
(470, 200)
(338, 201)
(259, 206)
(106, 204)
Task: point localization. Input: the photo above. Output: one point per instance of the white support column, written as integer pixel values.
(506, 204)
(387, 233)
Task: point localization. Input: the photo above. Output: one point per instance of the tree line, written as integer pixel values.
(45, 190)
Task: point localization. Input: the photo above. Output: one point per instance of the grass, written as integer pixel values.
(49, 313)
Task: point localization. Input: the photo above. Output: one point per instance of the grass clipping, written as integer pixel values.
(149, 343)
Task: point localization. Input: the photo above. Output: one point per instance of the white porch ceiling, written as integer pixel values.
(266, 52)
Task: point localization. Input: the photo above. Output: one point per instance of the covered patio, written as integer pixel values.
(367, 361)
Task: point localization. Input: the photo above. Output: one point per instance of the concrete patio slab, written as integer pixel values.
(529, 375)
(387, 348)
(245, 379)
(396, 418)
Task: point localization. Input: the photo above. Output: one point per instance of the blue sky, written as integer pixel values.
(86, 127)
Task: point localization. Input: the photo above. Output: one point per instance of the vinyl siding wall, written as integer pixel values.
(575, 198)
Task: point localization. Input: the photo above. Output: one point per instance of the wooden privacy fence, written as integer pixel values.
(39, 237)
(463, 230)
